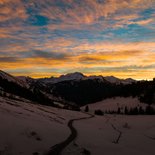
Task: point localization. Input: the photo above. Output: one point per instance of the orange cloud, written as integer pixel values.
(12, 9)
(84, 53)
(27, 48)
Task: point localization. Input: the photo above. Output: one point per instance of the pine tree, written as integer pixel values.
(87, 109)
(126, 112)
(118, 110)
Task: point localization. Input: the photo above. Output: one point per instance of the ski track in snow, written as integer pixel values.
(58, 148)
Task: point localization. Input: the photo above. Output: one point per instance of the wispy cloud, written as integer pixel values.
(93, 36)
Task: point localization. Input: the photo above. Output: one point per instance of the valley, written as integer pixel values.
(40, 117)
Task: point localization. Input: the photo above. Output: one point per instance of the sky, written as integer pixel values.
(43, 38)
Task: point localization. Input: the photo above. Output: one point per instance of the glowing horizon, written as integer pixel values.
(95, 37)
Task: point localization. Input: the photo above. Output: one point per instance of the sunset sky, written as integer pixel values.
(41, 38)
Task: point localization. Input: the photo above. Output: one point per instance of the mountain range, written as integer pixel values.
(80, 76)
(73, 89)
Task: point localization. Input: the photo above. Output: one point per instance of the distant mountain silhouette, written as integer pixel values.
(80, 76)
(15, 88)
(75, 88)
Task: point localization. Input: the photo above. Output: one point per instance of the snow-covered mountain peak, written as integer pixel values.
(112, 79)
(128, 81)
(66, 77)
(116, 80)
(94, 77)
(72, 76)
(80, 76)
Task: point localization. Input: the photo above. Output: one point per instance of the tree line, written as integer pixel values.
(148, 110)
(89, 91)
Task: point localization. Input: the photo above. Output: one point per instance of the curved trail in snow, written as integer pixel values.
(58, 148)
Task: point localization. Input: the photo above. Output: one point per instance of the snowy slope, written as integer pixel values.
(31, 129)
(112, 104)
(11, 78)
(26, 80)
(98, 135)
(27, 128)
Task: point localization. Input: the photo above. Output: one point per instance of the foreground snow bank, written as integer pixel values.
(99, 135)
(28, 129)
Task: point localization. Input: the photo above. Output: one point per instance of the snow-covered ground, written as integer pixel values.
(99, 136)
(114, 103)
(29, 129)
(115, 134)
